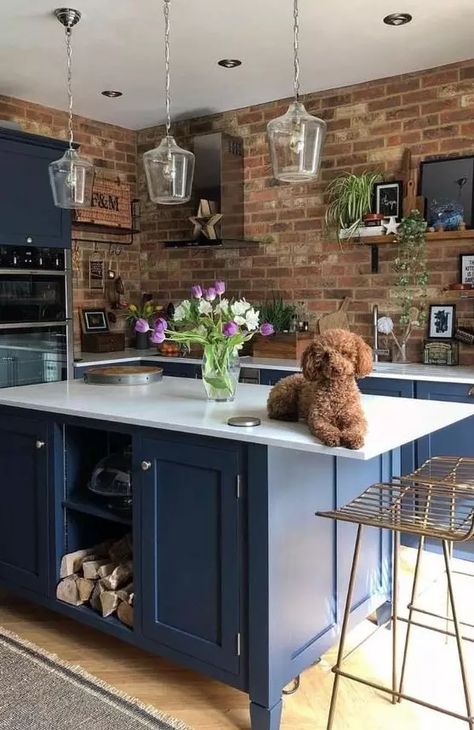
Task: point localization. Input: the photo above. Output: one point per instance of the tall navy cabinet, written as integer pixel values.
(190, 534)
(28, 216)
(24, 513)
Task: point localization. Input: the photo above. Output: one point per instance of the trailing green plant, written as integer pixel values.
(276, 311)
(350, 198)
(412, 280)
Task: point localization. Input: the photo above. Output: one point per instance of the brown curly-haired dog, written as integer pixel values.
(326, 394)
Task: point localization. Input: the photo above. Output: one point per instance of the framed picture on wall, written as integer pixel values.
(448, 187)
(441, 321)
(388, 199)
(466, 268)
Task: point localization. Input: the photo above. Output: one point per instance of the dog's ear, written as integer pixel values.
(364, 358)
(311, 360)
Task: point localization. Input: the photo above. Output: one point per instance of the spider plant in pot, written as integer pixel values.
(350, 199)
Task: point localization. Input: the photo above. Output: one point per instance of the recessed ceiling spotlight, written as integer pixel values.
(111, 94)
(398, 19)
(230, 62)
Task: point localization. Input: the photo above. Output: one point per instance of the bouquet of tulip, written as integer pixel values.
(220, 326)
(142, 317)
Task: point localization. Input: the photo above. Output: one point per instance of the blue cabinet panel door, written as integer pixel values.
(27, 213)
(191, 551)
(456, 440)
(23, 516)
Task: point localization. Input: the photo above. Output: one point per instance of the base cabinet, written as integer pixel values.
(191, 559)
(24, 496)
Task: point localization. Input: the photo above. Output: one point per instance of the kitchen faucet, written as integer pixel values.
(375, 350)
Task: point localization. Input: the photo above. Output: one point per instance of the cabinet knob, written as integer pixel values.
(40, 444)
(29, 239)
(471, 391)
(146, 465)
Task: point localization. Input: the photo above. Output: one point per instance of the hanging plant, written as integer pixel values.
(411, 283)
(350, 198)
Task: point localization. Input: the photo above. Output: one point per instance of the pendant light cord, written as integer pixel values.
(166, 11)
(296, 33)
(69, 84)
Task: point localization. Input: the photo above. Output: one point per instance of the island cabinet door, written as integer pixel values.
(455, 440)
(24, 500)
(191, 549)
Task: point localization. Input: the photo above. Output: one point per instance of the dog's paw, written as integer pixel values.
(352, 439)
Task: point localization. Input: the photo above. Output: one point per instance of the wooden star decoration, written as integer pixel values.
(206, 220)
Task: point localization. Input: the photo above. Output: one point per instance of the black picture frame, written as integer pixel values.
(444, 328)
(388, 199)
(466, 268)
(440, 180)
(94, 320)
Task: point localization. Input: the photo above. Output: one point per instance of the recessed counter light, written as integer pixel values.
(398, 19)
(111, 94)
(230, 62)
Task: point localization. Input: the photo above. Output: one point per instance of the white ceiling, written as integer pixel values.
(118, 45)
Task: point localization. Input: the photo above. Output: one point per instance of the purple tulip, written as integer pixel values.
(160, 324)
(158, 337)
(142, 326)
(230, 328)
(219, 286)
(266, 329)
(210, 294)
(196, 291)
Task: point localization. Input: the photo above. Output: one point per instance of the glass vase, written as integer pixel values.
(220, 373)
(399, 354)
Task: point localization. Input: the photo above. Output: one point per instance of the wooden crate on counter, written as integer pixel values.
(286, 345)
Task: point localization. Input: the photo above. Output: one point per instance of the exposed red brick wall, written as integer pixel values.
(113, 151)
(369, 126)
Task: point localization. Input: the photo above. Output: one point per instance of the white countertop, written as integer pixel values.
(410, 371)
(179, 404)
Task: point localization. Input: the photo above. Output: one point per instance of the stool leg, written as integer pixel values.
(421, 545)
(345, 622)
(457, 631)
(396, 551)
(448, 605)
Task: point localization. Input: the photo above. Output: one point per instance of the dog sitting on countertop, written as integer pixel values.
(326, 395)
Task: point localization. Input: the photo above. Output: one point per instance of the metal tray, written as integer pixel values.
(125, 375)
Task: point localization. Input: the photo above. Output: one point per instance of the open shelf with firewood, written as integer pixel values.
(95, 565)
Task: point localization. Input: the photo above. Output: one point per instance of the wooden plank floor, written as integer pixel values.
(208, 705)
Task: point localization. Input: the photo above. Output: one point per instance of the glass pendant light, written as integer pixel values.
(72, 176)
(169, 169)
(296, 139)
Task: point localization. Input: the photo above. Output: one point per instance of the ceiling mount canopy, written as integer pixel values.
(72, 176)
(296, 139)
(169, 169)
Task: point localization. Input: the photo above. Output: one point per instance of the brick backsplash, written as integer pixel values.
(369, 126)
(113, 151)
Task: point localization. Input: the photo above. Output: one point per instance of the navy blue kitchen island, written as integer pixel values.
(234, 576)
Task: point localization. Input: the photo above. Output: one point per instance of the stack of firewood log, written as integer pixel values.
(101, 577)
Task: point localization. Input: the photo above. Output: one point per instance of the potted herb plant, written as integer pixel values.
(141, 319)
(286, 342)
(350, 199)
(221, 326)
(411, 284)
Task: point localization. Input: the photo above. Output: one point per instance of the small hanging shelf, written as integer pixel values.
(109, 233)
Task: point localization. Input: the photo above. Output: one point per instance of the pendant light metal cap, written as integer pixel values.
(296, 140)
(71, 179)
(169, 171)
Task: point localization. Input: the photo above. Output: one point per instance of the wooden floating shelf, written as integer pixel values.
(442, 236)
(455, 295)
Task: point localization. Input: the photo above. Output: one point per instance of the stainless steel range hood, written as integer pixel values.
(219, 177)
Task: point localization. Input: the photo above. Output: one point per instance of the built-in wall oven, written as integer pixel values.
(35, 316)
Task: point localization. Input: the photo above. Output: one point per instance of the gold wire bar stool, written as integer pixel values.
(451, 471)
(426, 509)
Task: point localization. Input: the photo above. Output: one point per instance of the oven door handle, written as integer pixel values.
(33, 325)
